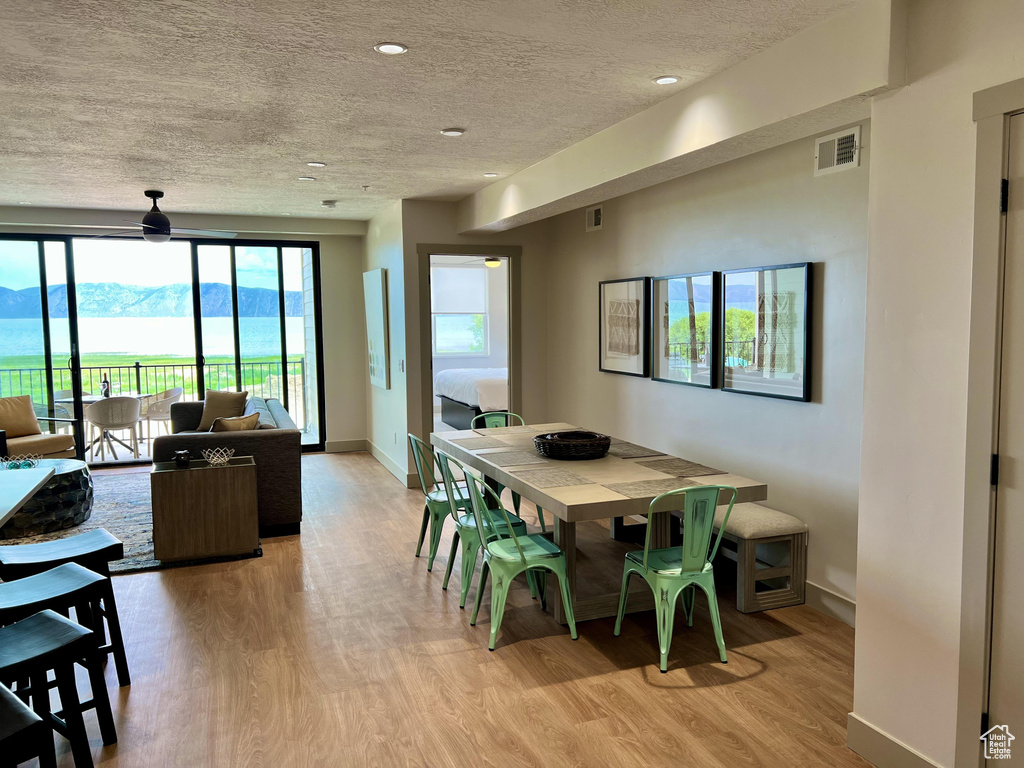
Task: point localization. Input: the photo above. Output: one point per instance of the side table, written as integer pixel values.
(204, 510)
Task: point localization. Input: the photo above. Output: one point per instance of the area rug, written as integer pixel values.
(121, 504)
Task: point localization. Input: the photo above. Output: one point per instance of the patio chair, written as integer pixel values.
(158, 408)
(113, 414)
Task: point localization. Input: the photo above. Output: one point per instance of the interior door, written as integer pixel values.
(1006, 674)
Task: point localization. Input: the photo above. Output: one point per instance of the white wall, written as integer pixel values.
(760, 210)
(386, 411)
(915, 393)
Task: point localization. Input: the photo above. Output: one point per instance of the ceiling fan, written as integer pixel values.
(156, 227)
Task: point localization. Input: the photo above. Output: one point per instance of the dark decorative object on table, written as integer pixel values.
(182, 458)
(572, 446)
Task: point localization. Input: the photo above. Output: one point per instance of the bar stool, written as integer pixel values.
(31, 648)
(60, 589)
(93, 550)
(23, 734)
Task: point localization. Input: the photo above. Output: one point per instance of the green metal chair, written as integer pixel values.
(493, 419)
(680, 570)
(466, 532)
(507, 554)
(435, 510)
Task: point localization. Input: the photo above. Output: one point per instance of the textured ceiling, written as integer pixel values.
(221, 103)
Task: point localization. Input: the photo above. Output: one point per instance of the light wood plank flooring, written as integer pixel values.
(337, 648)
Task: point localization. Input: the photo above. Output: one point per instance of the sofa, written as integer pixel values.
(275, 445)
(21, 435)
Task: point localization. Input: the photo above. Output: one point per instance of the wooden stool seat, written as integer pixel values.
(44, 642)
(61, 589)
(771, 556)
(92, 550)
(23, 734)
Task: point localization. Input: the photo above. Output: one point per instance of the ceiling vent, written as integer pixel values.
(595, 218)
(837, 151)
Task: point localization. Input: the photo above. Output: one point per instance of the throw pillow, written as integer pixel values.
(221, 405)
(17, 416)
(236, 423)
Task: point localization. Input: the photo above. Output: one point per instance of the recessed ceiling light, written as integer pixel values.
(490, 175)
(24, 203)
(316, 164)
(452, 131)
(391, 49)
(307, 178)
(493, 262)
(666, 79)
(286, 214)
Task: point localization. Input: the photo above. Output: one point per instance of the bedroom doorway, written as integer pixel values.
(469, 337)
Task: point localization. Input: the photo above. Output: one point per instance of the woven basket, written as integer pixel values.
(572, 446)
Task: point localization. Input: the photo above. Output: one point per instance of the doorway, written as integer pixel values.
(469, 338)
(1005, 704)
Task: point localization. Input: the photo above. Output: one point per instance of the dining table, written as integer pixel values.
(616, 487)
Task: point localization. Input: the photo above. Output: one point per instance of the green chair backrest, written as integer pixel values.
(423, 456)
(493, 419)
(698, 508)
(486, 517)
(453, 491)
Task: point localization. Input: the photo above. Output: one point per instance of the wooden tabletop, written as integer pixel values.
(622, 483)
(18, 486)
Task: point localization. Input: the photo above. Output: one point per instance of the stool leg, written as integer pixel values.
(41, 706)
(100, 698)
(72, 709)
(116, 640)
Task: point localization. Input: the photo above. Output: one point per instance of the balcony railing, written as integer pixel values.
(682, 354)
(260, 379)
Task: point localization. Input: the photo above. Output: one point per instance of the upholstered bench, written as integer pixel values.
(771, 556)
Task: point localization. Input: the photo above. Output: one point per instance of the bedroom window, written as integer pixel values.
(458, 311)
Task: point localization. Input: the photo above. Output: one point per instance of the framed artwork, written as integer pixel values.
(684, 329)
(766, 331)
(375, 297)
(624, 334)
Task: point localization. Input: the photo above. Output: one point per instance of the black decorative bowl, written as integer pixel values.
(572, 446)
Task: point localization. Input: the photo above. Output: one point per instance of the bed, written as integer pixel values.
(467, 392)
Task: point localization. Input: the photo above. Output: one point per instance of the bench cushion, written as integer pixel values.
(753, 521)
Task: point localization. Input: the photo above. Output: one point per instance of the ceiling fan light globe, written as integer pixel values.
(156, 228)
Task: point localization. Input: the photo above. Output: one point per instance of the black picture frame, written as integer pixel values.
(798, 343)
(712, 345)
(643, 323)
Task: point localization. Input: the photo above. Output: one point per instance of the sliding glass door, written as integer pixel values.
(81, 317)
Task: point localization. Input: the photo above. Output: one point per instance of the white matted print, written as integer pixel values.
(624, 326)
(375, 298)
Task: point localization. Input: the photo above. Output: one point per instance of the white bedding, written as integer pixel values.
(485, 388)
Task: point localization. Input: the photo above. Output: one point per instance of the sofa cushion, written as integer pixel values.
(753, 521)
(221, 404)
(235, 423)
(258, 405)
(17, 416)
(44, 445)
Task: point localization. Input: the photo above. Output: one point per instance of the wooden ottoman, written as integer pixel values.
(771, 556)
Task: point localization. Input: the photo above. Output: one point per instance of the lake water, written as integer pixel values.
(170, 336)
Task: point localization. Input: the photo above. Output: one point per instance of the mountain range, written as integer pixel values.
(118, 300)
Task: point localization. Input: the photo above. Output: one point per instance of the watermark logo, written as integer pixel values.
(997, 742)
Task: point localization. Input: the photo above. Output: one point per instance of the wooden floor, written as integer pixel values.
(337, 648)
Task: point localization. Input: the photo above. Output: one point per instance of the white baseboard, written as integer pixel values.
(408, 480)
(831, 604)
(344, 446)
(881, 748)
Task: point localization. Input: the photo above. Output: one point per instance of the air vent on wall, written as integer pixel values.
(837, 151)
(595, 218)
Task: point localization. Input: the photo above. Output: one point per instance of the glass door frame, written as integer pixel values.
(279, 245)
(74, 361)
